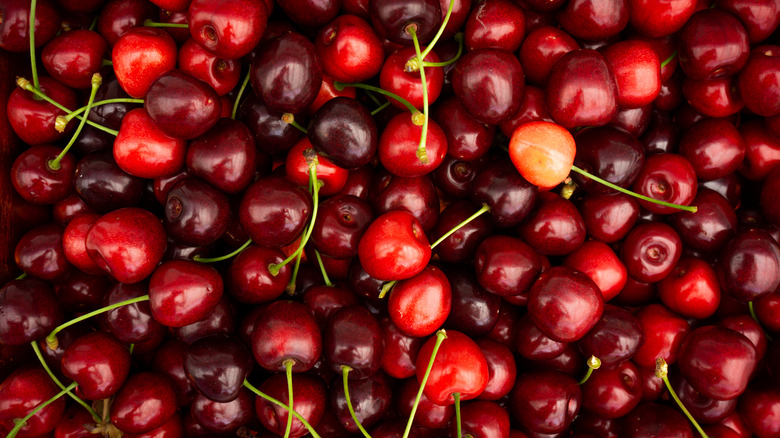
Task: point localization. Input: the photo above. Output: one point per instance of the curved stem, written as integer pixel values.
(594, 363)
(456, 396)
(669, 59)
(341, 85)
(21, 276)
(437, 36)
(20, 423)
(386, 288)
(344, 376)
(441, 335)
(459, 39)
(57, 381)
(198, 258)
(75, 113)
(265, 396)
(239, 95)
(289, 118)
(422, 153)
(151, 23)
(372, 97)
(51, 340)
(288, 364)
(662, 372)
(322, 268)
(33, 60)
(380, 108)
(290, 289)
(691, 209)
(55, 163)
(478, 213)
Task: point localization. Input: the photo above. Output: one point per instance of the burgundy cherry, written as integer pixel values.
(650, 251)
(711, 227)
(750, 265)
(311, 13)
(702, 408)
(651, 419)
(467, 139)
(555, 227)
(92, 172)
(217, 366)
(15, 28)
(510, 197)
(131, 323)
(475, 311)
(286, 330)
(353, 338)
(400, 355)
(483, 419)
(221, 320)
(21, 392)
(309, 399)
(462, 244)
(506, 265)
(274, 211)
(615, 338)
(118, 16)
(498, 25)
(417, 196)
(223, 418)
(183, 291)
(761, 68)
(371, 400)
(341, 221)
(714, 148)
(659, 19)
(146, 401)
(39, 253)
(347, 148)
(250, 281)
(532, 344)
(613, 392)
(429, 414)
(221, 74)
(758, 408)
(545, 401)
(98, 363)
(271, 134)
(609, 218)
(168, 359)
(703, 57)
(392, 19)
(501, 367)
(229, 29)
(594, 20)
(610, 154)
(196, 213)
(541, 49)
(30, 311)
(181, 105)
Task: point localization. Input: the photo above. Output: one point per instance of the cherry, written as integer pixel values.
(168, 359)
(594, 20)
(221, 320)
(545, 401)
(609, 154)
(459, 371)
(506, 265)
(98, 363)
(555, 227)
(270, 132)
(542, 152)
(508, 194)
(39, 253)
(400, 354)
(249, 279)
(635, 120)
(371, 398)
(297, 169)
(274, 211)
(392, 19)
(353, 338)
(217, 366)
(127, 243)
(659, 19)
(350, 50)
(609, 218)
(130, 323)
(760, 68)
(311, 13)
(428, 414)
(455, 178)
(541, 49)
(91, 174)
(750, 265)
(651, 251)
(350, 148)
(284, 331)
(501, 367)
(145, 402)
(327, 92)
(73, 57)
(701, 407)
(484, 419)
(417, 196)
(762, 150)
(652, 419)
(664, 332)
(475, 311)
(140, 56)
(21, 392)
(597, 260)
(196, 213)
(30, 311)
(532, 344)
(223, 418)
(309, 398)
(143, 150)
(712, 98)
(702, 57)
(769, 209)
(461, 245)
(117, 17)
(399, 150)
(613, 392)
(221, 74)
(498, 25)
(34, 119)
(758, 408)
(80, 292)
(228, 29)
(467, 139)
(711, 227)
(394, 247)
(691, 289)
(341, 221)
(15, 27)
(615, 338)
(181, 105)
(419, 305)
(182, 292)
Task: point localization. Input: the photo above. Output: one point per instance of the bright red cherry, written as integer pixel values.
(637, 71)
(599, 262)
(399, 147)
(182, 292)
(349, 49)
(419, 305)
(229, 29)
(459, 367)
(140, 56)
(691, 289)
(73, 57)
(98, 363)
(394, 247)
(143, 150)
(145, 402)
(664, 332)
(21, 392)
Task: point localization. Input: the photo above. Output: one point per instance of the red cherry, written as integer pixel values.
(349, 49)
(33, 119)
(459, 367)
(21, 392)
(286, 330)
(656, 19)
(545, 401)
(296, 169)
(143, 150)
(664, 332)
(140, 56)
(145, 402)
(229, 29)
(222, 74)
(73, 57)
(182, 292)
(691, 289)
(394, 247)
(599, 262)
(399, 144)
(15, 26)
(98, 363)
(637, 71)
(419, 305)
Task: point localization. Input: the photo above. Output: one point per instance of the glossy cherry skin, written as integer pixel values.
(145, 402)
(762, 153)
(599, 262)
(581, 90)
(349, 49)
(758, 407)
(691, 289)
(429, 414)
(704, 57)
(637, 69)
(271, 134)
(565, 304)
(274, 211)
(483, 419)
(183, 291)
(21, 392)
(712, 98)
(502, 369)
(196, 213)
(223, 418)
(229, 29)
(711, 227)
(400, 353)
(341, 221)
(286, 330)
(127, 243)
(34, 179)
(714, 148)
(72, 57)
(555, 227)
(717, 361)
(33, 119)
(750, 265)
(15, 29)
(347, 148)
(467, 139)
(131, 323)
(459, 367)
(309, 395)
(651, 419)
(39, 253)
(417, 196)
(30, 311)
(221, 320)
(98, 363)
(667, 177)
(221, 74)
(117, 17)
(655, 19)
(394, 247)
(296, 169)
(650, 251)
(461, 245)
(532, 344)
(664, 332)
(609, 218)
(541, 49)
(761, 68)
(510, 197)
(498, 25)
(506, 265)
(701, 407)
(613, 392)
(93, 170)
(143, 150)
(168, 359)
(392, 19)
(419, 305)
(81, 292)
(489, 98)
(545, 401)
(217, 366)
(140, 56)
(181, 105)
(615, 338)
(371, 400)
(399, 143)
(610, 154)
(594, 20)
(248, 277)
(286, 74)
(353, 338)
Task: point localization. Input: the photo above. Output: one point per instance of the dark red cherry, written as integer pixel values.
(637, 69)
(183, 291)
(392, 19)
(555, 227)
(250, 281)
(615, 338)
(461, 245)
(371, 400)
(475, 311)
(545, 401)
(501, 367)
(750, 265)
(652, 419)
(711, 98)
(347, 148)
(565, 304)
(489, 84)
(229, 29)
(532, 344)
(613, 392)
(506, 265)
(702, 408)
(223, 418)
(400, 354)
(296, 169)
(394, 247)
(286, 330)
(610, 154)
(270, 132)
(762, 153)
(30, 311)
(73, 57)
(711, 227)
(341, 221)
(225, 156)
(429, 414)
(498, 25)
(196, 213)
(353, 338)
(656, 19)
(467, 139)
(40, 253)
(81, 292)
(131, 323)
(761, 68)
(92, 173)
(217, 366)
(609, 217)
(309, 395)
(146, 401)
(541, 49)
(664, 332)
(713, 44)
(21, 392)
(221, 320)
(36, 181)
(118, 16)
(714, 148)
(221, 74)
(274, 211)
(311, 13)
(168, 359)
(510, 197)
(33, 119)
(181, 105)
(15, 27)
(594, 19)
(650, 251)
(758, 407)
(417, 195)
(98, 363)
(667, 177)
(286, 74)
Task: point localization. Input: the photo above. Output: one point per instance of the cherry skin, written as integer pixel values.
(221, 320)
(127, 243)
(691, 289)
(651, 251)
(371, 399)
(117, 17)
(221, 74)
(399, 147)
(461, 245)
(30, 310)
(93, 170)
(353, 338)
(532, 344)
(667, 177)
(15, 28)
(143, 150)
(483, 419)
(714, 148)
(506, 265)
(565, 304)
(397, 78)
(467, 139)
(417, 196)
(555, 227)
(703, 57)
(637, 71)
(429, 414)
(419, 305)
(459, 367)
(350, 148)
(73, 57)
(168, 359)
(714, 97)
(250, 281)
(39, 253)
(394, 247)
(664, 332)
(181, 105)
(286, 330)
(341, 221)
(140, 56)
(309, 399)
(652, 419)
(131, 323)
(545, 401)
(501, 367)
(610, 154)
(509, 196)
(758, 408)
(74, 243)
(225, 156)
(33, 119)
(711, 227)
(392, 19)
(183, 291)
(223, 418)
(613, 392)
(98, 363)
(498, 25)
(609, 218)
(217, 366)
(594, 20)
(271, 134)
(21, 392)
(400, 355)
(349, 49)
(274, 211)
(296, 169)
(760, 68)
(750, 265)
(762, 150)
(701, 407)
(597, 260)
(541, 49)
(615, 338)
(475, 311)
(659, 19)
(146, 401)
(228, 29)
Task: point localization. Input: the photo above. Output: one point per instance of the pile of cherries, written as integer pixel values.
(393, 218)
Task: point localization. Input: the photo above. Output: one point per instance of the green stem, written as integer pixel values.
(441, 335)
(151, 23)
(96, 81)
(21, 276)
(341, 85)
(662, 372)
(51, 340)
(106, 63)
(459, 39)
(57, 381)
(669, 59)
(265, 396)
(478, 213)
(380, 108)
(20, 423)
(290, 289)
(372, 97)
(422, 153)
(75, 113)
(198, 258)
(322, 268)
(33, 60)
(687, 208)
(344, 376)
(386, 288)
(594, 363)
(24, 84)
(288, 364)
(289, 118)
(456, 396)
(239, 95)
(436, 38)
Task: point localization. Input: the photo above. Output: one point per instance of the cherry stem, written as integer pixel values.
(456, 396)
(662, 372)
(24, 84)
(57, 381)
(594, 363)
(239, 95)
(289, 118)
(483, 209)
(322, 269)
(265, 396)
(51, 340)
(669, 59)
(290, 288)
(372, 97)
(21, 276)
(753, 315)
(345, 378)
(20, 423)
(422, 153)
(436, 39)
(151, 23)
(569, 187)
(380, 108)
(688, 208)
(288, 364)
(341, 86)
(33, 61)
(75, 113)
(131, 348)
(312, 161)
(198, 258)
(386, 288)
(441, 335)
(459, 38)
(55, 163)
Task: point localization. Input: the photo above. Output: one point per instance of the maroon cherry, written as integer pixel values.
(506, 265)
(650, 251)
(499, 25)
(416, 195)
(652, 419)
(196, 213)
(664, 332)
(761, 68)
(532, 344)
(392, 19)
(92, 172)
(341, 221)
(509, 196)
(555, 227)
(225, 156)
(704, 57)
(501, 367)
(353, 338)
(168, 359)
(118, 16)
(594, 20)
(758, 407)
(461, 245)
(286, 330)
(33, 119)
(221, 320)
(146, 401)
(347, 148)
(400, 355)
(98, 363)
(541, 49)
(274, 211)
(615, 338)
(701, 407)
(750, 265)
(39, 253)
(250, 281)
(613, 392)
(183, 291)
(217, 366)
(131, 323)
(545, 401)
(15, 28)
(475, 311)
(229, 29)
(30, 311)
(181, 105)
(659, 19)
(21, 392)
(270, 132)
(610, 154)
(36, 181)
(223, 418)
(371, 399)
(467, 139)
(309, 399)
(609, 218)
